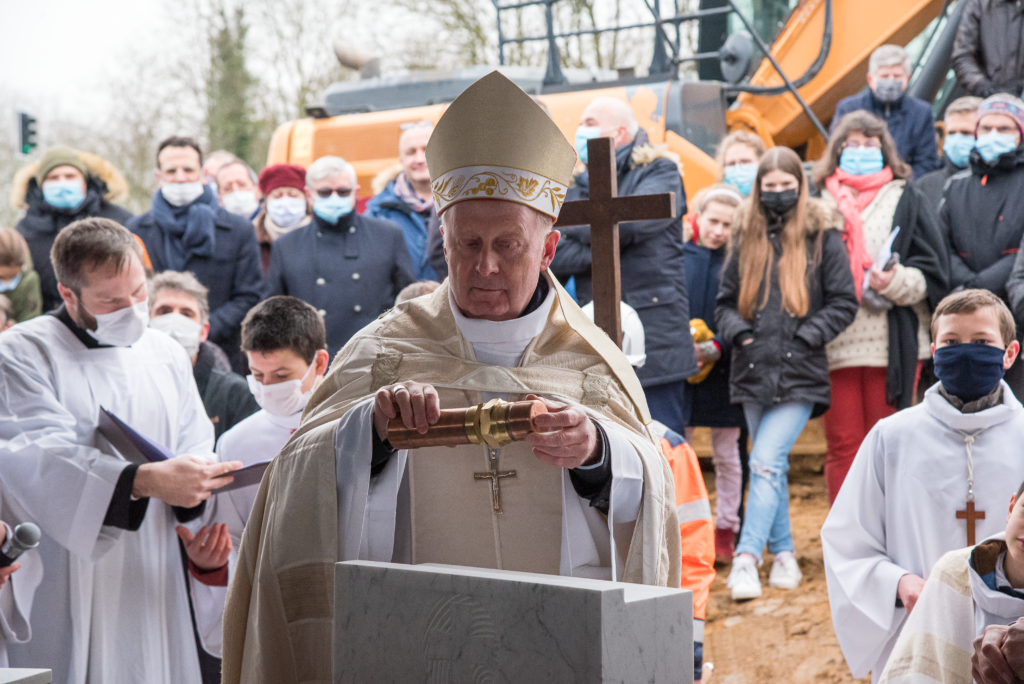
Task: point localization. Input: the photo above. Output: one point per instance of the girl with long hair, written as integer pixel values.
(786, 291)
(900, 269)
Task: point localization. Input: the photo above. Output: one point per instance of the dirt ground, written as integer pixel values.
(784, 636)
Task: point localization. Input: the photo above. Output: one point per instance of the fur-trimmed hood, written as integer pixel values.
(382, 179)
(99, 169)
(643, 153)
(820, 217)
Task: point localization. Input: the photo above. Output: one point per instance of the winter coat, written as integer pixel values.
(931, 184)
(709, 399)
(651, 259)
(435, 247)
(226, 396)
(350, 271)
(987, 55)
(910, 123)
(786, 361)
(42, 221)
(388, 206)
(982, 217)
(25, 299)
(232, 274)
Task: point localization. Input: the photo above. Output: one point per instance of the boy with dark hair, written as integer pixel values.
(924, 479)
(968, 590)
(285, 342)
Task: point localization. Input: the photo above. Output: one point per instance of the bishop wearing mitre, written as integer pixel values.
(587, 495)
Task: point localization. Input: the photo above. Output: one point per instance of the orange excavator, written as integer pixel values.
(819, 56)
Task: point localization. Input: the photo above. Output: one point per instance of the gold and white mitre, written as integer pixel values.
(495, 142)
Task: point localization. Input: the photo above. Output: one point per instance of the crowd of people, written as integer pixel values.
(882, 289)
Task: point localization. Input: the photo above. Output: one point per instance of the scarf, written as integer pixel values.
(405, 192)
(839, 185)
(271, 231)
(188, 230)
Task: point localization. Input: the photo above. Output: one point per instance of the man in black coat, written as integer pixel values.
(64, 186)
(909, 119)
(982, 212)
(349, 267)
(653, 279)
(987, 55)
(961, 119)
(187, 230)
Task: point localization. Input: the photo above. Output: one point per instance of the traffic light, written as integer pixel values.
(26, 133)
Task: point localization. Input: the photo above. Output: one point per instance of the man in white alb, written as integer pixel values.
(112, 606)
(500, 327)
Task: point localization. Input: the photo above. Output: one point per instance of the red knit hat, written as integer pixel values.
(282, 176)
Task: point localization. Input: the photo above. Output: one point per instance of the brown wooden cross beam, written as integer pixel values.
(970, 515)
(603, 212)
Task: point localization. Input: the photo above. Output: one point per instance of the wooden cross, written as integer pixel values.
(970, 515)
(603, 212)
(495, 476)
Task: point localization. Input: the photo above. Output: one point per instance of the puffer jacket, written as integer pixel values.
(987, 55)
(651, 259)
(41, 223)
(387, 205)
(786, 360)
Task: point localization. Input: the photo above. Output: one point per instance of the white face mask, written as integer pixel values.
(284, 398)
(180, 194)
(241, 202)
(286, 212)
(122, 328)
(184, 330)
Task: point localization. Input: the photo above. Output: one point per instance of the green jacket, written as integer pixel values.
(26, 297)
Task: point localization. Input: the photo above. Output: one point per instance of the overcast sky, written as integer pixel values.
(55, 53)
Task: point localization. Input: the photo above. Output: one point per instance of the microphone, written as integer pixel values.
(24, 538)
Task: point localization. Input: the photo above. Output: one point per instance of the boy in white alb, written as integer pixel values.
(926, 481)
(285, 343)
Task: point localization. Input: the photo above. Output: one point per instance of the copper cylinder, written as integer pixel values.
(504, 423)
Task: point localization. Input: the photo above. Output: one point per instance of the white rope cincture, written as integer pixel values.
(969, 438)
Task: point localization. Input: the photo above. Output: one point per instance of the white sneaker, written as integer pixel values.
(785, 572)
(744, 582)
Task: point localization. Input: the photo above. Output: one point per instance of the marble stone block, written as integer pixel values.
(444, 624)
(23, 676)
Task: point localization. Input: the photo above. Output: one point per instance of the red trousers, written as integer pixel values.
(858, 402)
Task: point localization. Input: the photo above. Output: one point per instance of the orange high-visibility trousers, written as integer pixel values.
(695, 525)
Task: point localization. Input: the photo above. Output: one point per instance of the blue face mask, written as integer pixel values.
(957, 148)
(583, 134)
(861, 161)
(63, 194)
(969, 371)
(332, 208)
(993, 145)
(8, 285)
(741, 177)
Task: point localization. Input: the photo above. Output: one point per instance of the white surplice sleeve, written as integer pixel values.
(63, 485)
(195, 431)
(862, 578)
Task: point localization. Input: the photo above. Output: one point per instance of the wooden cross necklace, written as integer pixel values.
(969, 513)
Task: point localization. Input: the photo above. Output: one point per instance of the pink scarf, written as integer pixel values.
(405, 192)
(839, 185)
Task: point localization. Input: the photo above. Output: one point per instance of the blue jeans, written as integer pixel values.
(774, 430)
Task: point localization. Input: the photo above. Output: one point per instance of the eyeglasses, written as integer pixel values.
(409, 125)
(327, 192)
(870, 144)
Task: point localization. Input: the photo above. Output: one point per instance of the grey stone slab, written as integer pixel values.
(22, 676)
(442, 624)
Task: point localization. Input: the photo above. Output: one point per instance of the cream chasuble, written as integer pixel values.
(317, 503)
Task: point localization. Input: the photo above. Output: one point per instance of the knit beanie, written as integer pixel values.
(60, 155)
(1001, 103)
(282, 176)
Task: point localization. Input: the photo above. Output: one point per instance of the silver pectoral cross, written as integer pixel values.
(495, 476)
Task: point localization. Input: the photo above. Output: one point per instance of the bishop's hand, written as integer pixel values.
(565, 436)
(988, 664)
(185, 481)
(209, 548)
(418, 404)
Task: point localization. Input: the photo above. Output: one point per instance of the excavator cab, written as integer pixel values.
(811, 54)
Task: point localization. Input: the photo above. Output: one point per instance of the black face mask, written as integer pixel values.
(779, 202)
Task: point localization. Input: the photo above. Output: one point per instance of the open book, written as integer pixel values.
(139, 449)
